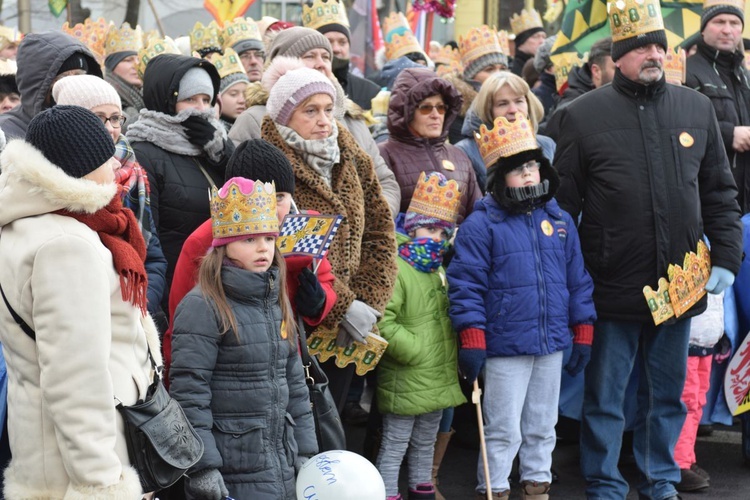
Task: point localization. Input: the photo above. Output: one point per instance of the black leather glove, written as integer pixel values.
(205, 485)
(198, 130)
(310, 297)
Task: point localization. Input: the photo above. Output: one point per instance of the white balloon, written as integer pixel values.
(339, 475)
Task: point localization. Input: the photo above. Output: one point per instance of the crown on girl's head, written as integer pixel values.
(123, 39)
(478, 42)
(674, 65)
(227, 64)
(205, 38)
(505, 138)
(92, 34)
(526, 20)
(399, 40)
(238, 30)
(243, 208)
(630, 18)
(155, 47)
(435, 196)
(324, 12)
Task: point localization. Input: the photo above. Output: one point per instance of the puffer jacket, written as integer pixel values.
(91, 346)
(40, 56)
(254, 439)
(419, 371)
(520, 278)
(648, 205)
(408, 155)
(579, 82)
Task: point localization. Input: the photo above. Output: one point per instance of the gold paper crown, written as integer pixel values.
(477, 43)
(124, 39)
(453, 68)
(227, 64)
(504, 40)
(685, 287)
(155, 47)
(324, 12)
(238, 30)
(505, 139)
(563, 64)
(237, 213)
(525, 21)
(446, 55)
(92, 34)
(674, 65)
(399, 40)
(10, 35)
(630, 18)
(205, 38)
(8, 67)
(435, 198)
(738, 4)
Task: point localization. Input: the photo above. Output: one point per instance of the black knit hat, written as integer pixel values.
(258, 159)
(525, 35)
(340, 28)
(76, 60)
(71, 137)
(622, 47)
(715, 10)
(116, 58)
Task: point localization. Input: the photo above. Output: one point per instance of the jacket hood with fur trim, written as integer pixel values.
(31, 185)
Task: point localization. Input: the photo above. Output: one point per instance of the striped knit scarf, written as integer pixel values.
(134, 188)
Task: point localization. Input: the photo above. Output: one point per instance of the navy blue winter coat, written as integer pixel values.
(519, 277)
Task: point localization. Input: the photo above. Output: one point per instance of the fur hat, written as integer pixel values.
(296, 41)
(87, 91)
(496, 179)
(288, 83)
(260, 160)
(72, 138)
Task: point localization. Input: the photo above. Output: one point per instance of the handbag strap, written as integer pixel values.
(18, 319)
(304, 353)
(205, 174)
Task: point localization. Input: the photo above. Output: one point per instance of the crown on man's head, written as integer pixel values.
(155, 47)
(123, 39)
(478, 41)
(505, 138)
(563, 63)
(436, 197)
(243, 208)
(399, 40)
(238, 30)
(630, 18)
(92, 34)
(227, 64)
(528, 19)
(323, 12)
(674, 65)
(204, 39)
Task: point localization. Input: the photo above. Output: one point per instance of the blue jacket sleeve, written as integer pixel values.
(156, 268)
(581, 308)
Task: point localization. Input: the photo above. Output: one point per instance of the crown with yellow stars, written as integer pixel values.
(505, 139)
(92, 33)
(227, 64)
(123, 39)
(238, 30)
(324, 12)
(399, 40)
(205, 39)
(674, 65)
(9, 35)
(243, 208)
(563, 64)
(630, 18)
(436, 197)
(155, 47)
(738, 4)
(526, 20)
(685, 286)
(478, 42)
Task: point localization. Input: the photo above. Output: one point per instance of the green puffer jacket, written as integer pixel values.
(419, 371)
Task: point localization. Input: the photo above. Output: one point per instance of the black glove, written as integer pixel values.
(198, 130)
(310, 297)
(205, 485)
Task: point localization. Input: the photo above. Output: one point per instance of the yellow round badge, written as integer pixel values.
(686, 139)
(448, 165)
(547, 228)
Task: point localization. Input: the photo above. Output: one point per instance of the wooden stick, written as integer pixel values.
(158, 21)
(476, 399)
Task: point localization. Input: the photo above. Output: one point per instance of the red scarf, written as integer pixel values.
(118, 230)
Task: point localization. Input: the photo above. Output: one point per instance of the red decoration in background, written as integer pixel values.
(443, 8)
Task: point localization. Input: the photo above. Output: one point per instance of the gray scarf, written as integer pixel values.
(320, 154)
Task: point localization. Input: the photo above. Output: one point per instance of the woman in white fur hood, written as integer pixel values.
(71, 266)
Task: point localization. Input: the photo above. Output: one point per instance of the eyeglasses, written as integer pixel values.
(426, 109)
(116, 121)
(531, 166)
(252, 54)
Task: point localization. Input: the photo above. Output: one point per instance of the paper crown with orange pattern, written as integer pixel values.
(477, 43)
(205, 39)
(324, 12)
(399, 40)
(436, 197)
(155, 47)
(123, 39)
(238, 30)
(92, 33)
(243, 208)
(449, 61)
(674, 65)
(526, 20)
(505, 139)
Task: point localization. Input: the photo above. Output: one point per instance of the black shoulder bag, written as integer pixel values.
(162, 445)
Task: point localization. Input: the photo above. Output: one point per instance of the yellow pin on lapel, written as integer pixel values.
(448, 165)
(686, 139)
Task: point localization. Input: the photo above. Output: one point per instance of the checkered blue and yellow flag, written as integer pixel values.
(307, 234)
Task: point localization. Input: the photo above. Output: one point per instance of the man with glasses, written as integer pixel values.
(243, 36)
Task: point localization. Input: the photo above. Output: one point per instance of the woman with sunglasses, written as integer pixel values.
(420, 113)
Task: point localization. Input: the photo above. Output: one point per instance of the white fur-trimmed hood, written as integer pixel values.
(32, 185)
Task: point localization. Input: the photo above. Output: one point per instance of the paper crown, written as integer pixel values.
(563, 64)
(447, 55)
(10, 35)
(205, 39)
(738, 4)
(477, 43)
(399, 40)
(123, 39)
(630, 18)
(505, 139)
(8, 67)
(92, 33)
(238, 30)
(227, 64)
(155, 47)
(504, 40)
(243, 208)
(435, 196)
(525, 21)
(674, 65)
(685, 287)
(324, 12)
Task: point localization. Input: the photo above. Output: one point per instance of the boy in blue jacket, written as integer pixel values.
(519, 294)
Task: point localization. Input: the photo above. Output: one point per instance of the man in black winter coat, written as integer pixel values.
(644, 164)
(717, 70)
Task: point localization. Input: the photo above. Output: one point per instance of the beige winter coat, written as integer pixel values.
(65, 433)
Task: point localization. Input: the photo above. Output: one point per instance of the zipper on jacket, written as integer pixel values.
(274, 341)
(542, 288)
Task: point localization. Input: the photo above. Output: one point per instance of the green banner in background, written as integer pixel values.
(57, 7)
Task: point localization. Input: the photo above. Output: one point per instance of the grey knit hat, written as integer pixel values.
(230, 80)
(195, 81)
(542, 59)
(296, 41)
(481, 62)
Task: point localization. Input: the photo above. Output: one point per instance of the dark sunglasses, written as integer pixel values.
(426, 109)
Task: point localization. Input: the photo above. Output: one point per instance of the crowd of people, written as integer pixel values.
(506, 223)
